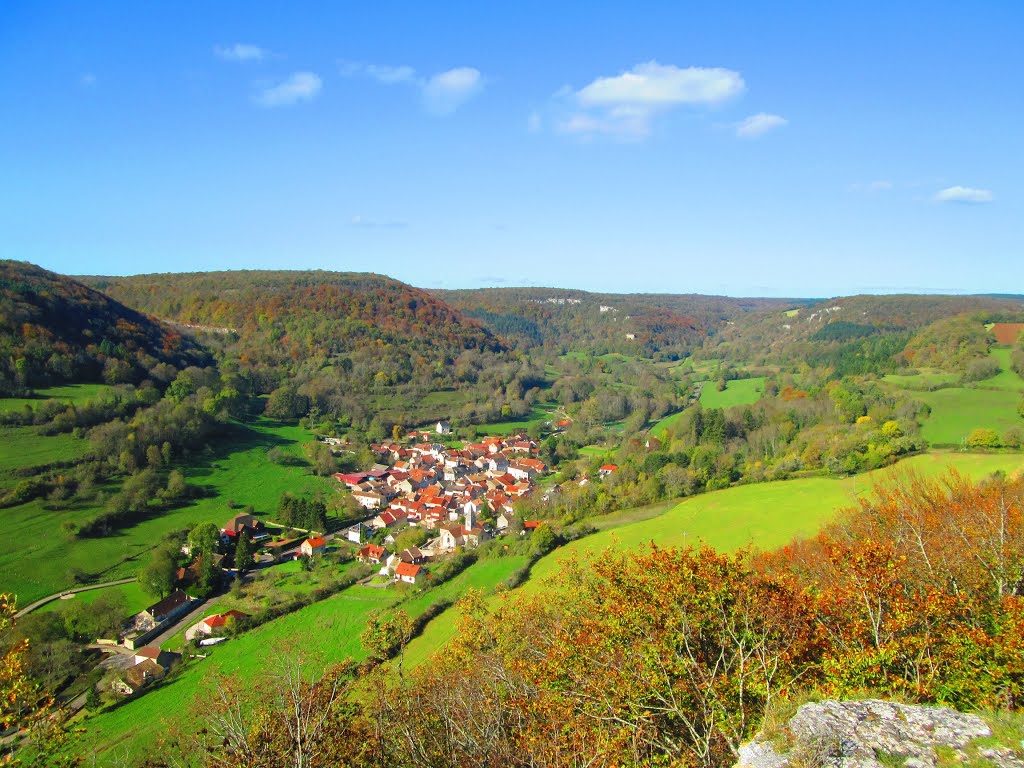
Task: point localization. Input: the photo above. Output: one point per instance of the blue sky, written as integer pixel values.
(808, 149)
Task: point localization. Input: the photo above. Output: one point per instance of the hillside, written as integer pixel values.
(283, 317)
(873, 329)
(659, 324)
(54, 329)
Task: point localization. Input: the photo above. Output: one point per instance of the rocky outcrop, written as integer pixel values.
(878, 734)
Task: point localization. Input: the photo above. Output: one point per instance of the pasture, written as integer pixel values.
(68, 393)
(957, 410)
(135, 599)
(736, 392)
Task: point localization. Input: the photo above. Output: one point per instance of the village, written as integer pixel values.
(444, 496)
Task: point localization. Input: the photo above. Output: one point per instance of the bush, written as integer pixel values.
(983, 438)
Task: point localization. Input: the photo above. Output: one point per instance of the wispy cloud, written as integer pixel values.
(759, 124)
(87, 80)
(363, 222)
(239, 52)
(626, 104)
(441, 93)
(445, 92)
(960, 194)
(300, 86)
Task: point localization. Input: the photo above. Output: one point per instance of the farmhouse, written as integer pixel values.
(407, 572)
(443, 428)
(313, 546)
(169, 608)
(607, 469)
(138, 677)
(239, 523)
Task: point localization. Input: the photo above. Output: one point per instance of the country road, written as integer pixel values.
(56, 596)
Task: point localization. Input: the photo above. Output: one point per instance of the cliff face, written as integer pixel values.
(881, 734)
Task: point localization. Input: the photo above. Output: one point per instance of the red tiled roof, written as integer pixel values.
(407, 569)
(530, 525)
(316, 542)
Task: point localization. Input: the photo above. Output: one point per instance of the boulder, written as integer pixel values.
(876, 734)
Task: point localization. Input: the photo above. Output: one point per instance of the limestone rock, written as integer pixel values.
(863, 734)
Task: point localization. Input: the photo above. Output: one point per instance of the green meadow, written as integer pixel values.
(22, 447)
(922, 380)
(68, 393)
(135, 599)
(736, 392)
(37, 558)
(958, 410)
(955, 411)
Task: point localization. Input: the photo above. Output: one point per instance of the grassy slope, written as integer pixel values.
(736, 392)
(956, 411)
(24, 447)
(36, 558)
(991, 403)
(135, 598)
(766, 515)
(68, 393)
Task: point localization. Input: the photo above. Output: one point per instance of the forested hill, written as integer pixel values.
(54, 329)
(868, 333)
(283, 317)
(646, 324)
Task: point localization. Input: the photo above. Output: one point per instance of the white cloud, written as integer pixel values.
(300, 86)
(652, 83)
(441, 93)
(881, 185)
(239, 52)
(390, 75)
(445, 92)
(960, 194)
(364, 222)
(534, 122)
(759, 124)
(87, 80)
(625, 105)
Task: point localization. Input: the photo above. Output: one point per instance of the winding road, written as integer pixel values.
(58, 595)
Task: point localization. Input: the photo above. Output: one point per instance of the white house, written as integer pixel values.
(443, 428)
(355, 533)
(407, 572)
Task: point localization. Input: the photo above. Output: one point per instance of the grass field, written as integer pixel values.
(662, 426)
(955, 411)
(1007, 378)
(37, 559)
(924, 379)
(24, 447)
(135, 599)
(484, 575)
(736, 392)
(958, 410)
(329, 630)
(70, 393)
(541, 413)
